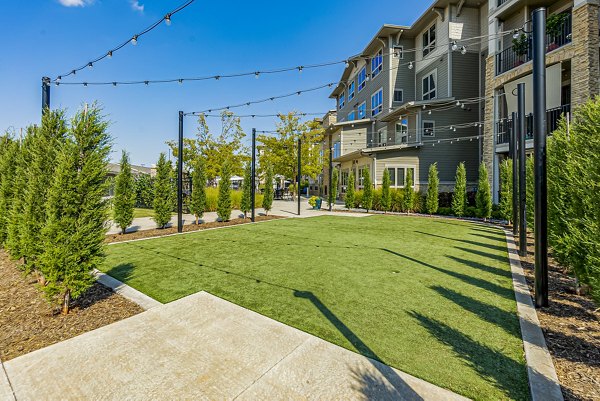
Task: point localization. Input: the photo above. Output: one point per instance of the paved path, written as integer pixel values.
(280, 208)
(204, 348)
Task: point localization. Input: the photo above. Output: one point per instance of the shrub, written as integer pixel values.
(267, 201)
(377, 200)
(246, 201)
(484, 194)
(459, 199)
(197, 204)
(124, 200)
(224, 204)
(409, 194)
(433, 183)
(506, 192)
(164, 199)
(367, 201)
(471, 211)
(349, 198)
(8, 162)
(144, 191)
(397, 201)
(312, 201)
(358, 197)
(386, 196)
(445, 211)
(333, 189)
(530, 197)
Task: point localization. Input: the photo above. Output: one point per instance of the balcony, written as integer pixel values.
(553, 116)
(521, 53)
(500, 2)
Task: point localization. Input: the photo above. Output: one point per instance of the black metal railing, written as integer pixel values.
(500, 2)
(513, 57)
(503, 127)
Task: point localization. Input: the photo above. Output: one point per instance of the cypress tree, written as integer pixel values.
(459, 197)
(45, 147)
(386, 195)
(433, 184)
(198, 199)
(268, 195)
(16, 221)
(334, 186)
(246, 203)
(224, 202)
(483, 198)
(367, 200)
(409, 192)
(8, 164)
(530, 193)
(164, 199)
(76, 210)
(506, 192)
(349, 199)
(124, 200)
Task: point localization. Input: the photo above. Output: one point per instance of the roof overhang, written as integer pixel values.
(397, 112)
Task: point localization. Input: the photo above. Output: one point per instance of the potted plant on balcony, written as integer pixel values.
(520, 47)
(554, 26)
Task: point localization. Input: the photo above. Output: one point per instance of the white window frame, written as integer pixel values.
(429, 92)
(405, 169)
(432, 135)
(363, 105)
(362, 83)
(351, 90)
(400, 134)
(377, 63)
(399, 52)
(430, 47)
(352, 115)
(402, 92)
(342, 100)
(379, 108)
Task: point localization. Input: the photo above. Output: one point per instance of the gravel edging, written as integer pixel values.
(543, 380)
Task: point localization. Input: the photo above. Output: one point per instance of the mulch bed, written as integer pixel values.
(28, 322)
(187, 228)
(571, 325)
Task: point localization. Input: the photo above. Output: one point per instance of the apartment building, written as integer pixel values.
(411, 92)
(573, 57)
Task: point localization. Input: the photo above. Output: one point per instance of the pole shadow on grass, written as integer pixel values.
(500, 258)
(479, 266)
(477, 282)
(465, 241)
(494, 366)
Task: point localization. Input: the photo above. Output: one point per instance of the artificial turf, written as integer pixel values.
(431, 297)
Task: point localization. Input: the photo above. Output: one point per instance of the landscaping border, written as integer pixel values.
(6, 391)
(135, 296)
(543, 380)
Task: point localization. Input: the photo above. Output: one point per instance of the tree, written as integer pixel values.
(75, 229)
(198, 199)
(268, 195)
(409, 192)
(246, 204)
(164, 199)
(483, 199)
(144, 190)
(334, 187)
(124, 199)
(386, 195)
(433, 183)
(506, 190)
(459, 197)
(530, 193)
(280, 151)
(42, 162)
(224, 206)
(367, 200)
(8, 163)
(216, 149)
(349, 199)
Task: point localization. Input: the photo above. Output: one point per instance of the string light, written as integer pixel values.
(463, 50)
(410, 65)
(134, 40)
(454, 46)
(168, 19)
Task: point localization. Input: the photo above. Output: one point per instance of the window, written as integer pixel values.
(377, 102)
(351, 91)
(399, 52)
(341, 101)
(377, 64)
(352, 116)
(382, 137)
(429, 86)
(362, 110)
(429, 40)
(360, 177)
(398, 95)
(392, 172)
(344, 178)
(337, 150)
(362, 79)
(402, 130)
(398, 176)
(428, 128)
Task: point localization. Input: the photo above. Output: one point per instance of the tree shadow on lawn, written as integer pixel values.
(491, 364)
(482, 267)
(477, 282)
(500, 258)
(122, 272)
(492, 314)
(465, 241)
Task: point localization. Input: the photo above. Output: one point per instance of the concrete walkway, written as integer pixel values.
(204, 348)
(280, 208)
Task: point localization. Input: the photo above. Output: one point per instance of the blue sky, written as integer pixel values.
(46, 37)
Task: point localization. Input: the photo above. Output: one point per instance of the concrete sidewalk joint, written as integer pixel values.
(6, 390)
(543, 380)
(143, 300)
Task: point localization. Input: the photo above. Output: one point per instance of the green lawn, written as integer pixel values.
(431, 297)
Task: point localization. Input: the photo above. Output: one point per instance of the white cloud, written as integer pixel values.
(75, 3)
(135, 5)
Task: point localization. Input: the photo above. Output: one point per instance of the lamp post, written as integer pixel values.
(253, 169)
(45, 93)
(522, 133)
(298, 178)
(514, 157)
(180, 176)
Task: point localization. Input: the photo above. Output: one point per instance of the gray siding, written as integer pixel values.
(465, 85)
(442, 78)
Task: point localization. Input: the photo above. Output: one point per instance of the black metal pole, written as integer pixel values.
(45, 93)
(330, 177)
(299, 179)
(253, 169)
(522, 133)
(180, 176)
(515, 171)
(539, 151)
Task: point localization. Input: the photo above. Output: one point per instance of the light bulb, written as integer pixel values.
(347, 64)
(516, 34)
(134, 40)
(451, 127)
(109, 54)
(146, 82)
(114, 84)
(410, 65)
(90, 66)
(85, 84)
(256, 74)
(74, 72)
(168, 19)
(454, 46)
(58, 78)
(300, 69)
(463, 50)
(458, 103)
(180, 81)
(429, 112)
(424, 107)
